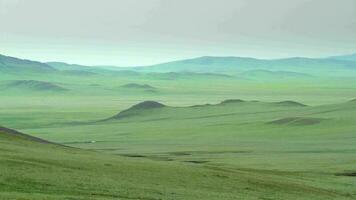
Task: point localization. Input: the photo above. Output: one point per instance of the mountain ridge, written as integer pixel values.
(17, 65)
(228, 65)
(235, 65)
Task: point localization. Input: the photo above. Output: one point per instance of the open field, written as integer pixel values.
(178, 100)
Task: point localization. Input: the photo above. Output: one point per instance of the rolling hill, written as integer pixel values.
(31, 86)
(152, 109)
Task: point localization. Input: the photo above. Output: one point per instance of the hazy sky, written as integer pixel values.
(141, 32)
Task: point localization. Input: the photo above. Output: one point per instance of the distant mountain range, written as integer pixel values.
(236, 65)
(298, 66)
(351, 57)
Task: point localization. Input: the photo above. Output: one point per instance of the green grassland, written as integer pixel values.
(33, 170)
(238, 134)
(292, 136)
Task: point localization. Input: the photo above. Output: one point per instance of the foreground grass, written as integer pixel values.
(31, 170)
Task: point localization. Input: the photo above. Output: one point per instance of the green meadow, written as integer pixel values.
(207, 128)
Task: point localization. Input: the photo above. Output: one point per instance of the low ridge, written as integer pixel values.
(290, 103)
(137, 86)
(147, 105)
(232, 101)
(33, 85)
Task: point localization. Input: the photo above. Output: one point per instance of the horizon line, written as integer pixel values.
(176, 60)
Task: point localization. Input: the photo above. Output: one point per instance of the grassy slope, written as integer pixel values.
(30, 170)
(232, 137)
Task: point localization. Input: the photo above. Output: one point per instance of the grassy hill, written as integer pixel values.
(36, 170)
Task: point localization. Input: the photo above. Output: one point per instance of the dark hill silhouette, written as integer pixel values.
(137, 86)
(290, 103)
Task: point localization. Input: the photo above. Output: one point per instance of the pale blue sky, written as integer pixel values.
(143, 32)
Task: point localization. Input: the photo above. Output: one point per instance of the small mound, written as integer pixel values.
(137, 86)
(134, 110)
(297, 121)
(147, 105)
(353, 100)
(34, 86)
(290, 103)
(199, 106)
(232, 101)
